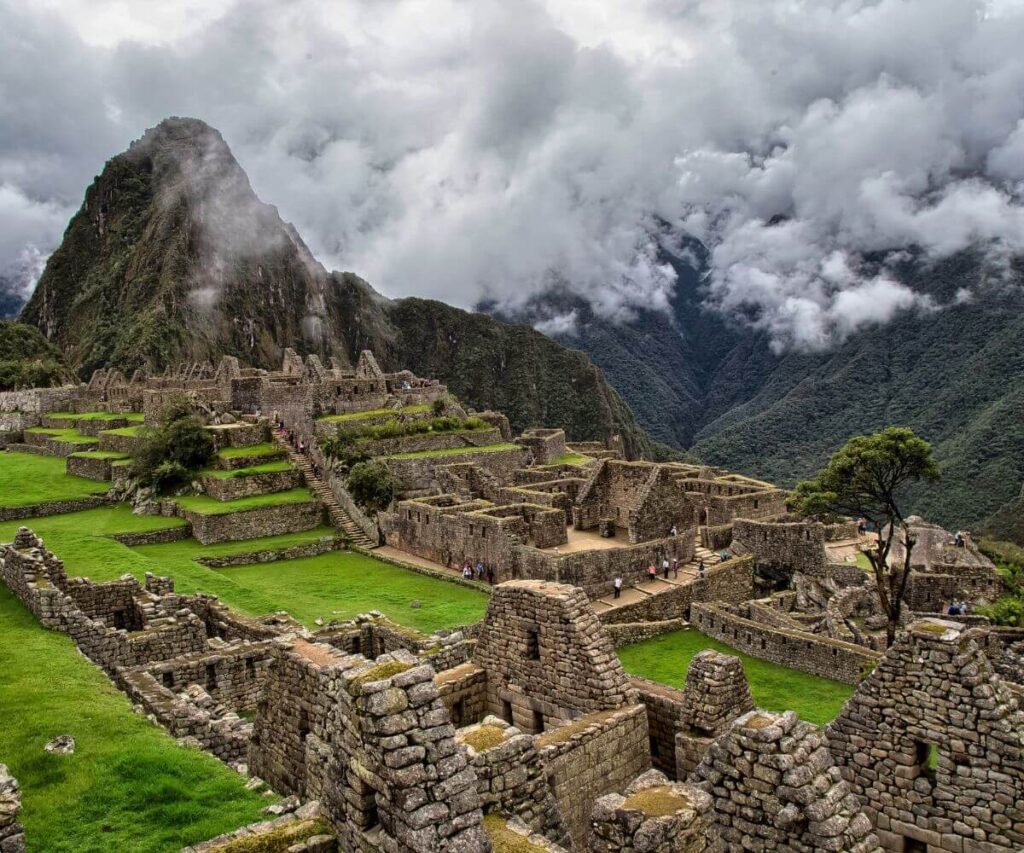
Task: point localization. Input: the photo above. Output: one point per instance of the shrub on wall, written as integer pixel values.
(372, 486)
(169, 454)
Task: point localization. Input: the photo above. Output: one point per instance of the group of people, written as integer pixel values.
(478, 572)
(962, 538)
(957, 608)
(667, 566)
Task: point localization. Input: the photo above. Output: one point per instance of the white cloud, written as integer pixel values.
(468, 149)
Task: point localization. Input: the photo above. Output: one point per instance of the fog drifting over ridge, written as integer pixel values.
(471, 150)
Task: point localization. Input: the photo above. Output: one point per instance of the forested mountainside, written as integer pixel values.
(955, 375)
(173, 257)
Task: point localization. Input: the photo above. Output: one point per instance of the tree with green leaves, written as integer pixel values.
(867, 478)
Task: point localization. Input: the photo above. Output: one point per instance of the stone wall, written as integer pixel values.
(627, 633)
(780, 550)
(13, 513)
(89, 467)
(932, 592)
(547, 657)
(324, 545)
(419, 473)
(800, 650)
(592, 756)
(233, 488)
(546, 445)
(12, 836)
(463, 689)
(931, 743)
(666, 715)
(731, 582)
(241, 434)
(209, 528)
(39, 400)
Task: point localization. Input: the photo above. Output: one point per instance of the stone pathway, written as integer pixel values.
(339, 518)
(641, 591)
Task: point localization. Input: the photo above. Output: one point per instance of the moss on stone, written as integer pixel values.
(278, 840)
(657, 802)
(376, 673)
(483, 737)
(504, 840)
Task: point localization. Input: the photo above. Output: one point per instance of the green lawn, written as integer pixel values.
(572, 459)
(29, 478)
(68, 434)
(376, 413)
(268, 448)
(101, 454)
(128, 786)
(265, 468)
(206, 505)
(454, 451)
(775, 687)
(336, 585)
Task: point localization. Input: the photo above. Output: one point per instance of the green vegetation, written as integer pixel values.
(130, 431)
(205, 505)
(775, 687)
(69, 435)
(1007, 609)
(268, 448)
(868, 478)
(376, 413)
(127, 786)
(100, 454)
(29, 478)
(454, 451)
(279, 840)
(135, 417)
(372, 485)
(265, 468)
(351, 444)
(504, 840)
(27, 359)
(175, 450)
(572, 459)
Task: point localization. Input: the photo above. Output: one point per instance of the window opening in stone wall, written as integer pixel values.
(532, 644)
(912, 845)
(211, 676)
(506, 712)
(655, 750)
(250, 668)
(168, 679)
(926, 758)
(120, 622)
(303, 724)
(458, 712)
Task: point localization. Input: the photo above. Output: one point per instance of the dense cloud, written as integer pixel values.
(470, 149)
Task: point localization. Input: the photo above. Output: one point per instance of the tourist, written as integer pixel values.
(479, 569)
(724, 555)
(490, 576)
(467, 572)
(674, 531)
(701, 571)
(959, 539)
(617, 586)
(665, 567)
(963, 608)
(652, 573)
(953, 610)
(675, 567)
(862, 526)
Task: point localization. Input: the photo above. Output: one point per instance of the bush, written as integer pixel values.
(372, 486)
(1009, 608)
(438, 407)
(169, 454)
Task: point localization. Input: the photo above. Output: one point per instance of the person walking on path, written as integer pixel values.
(701, 572)
(617, 586)
(675, 568)
(665, 567)
(652, 573)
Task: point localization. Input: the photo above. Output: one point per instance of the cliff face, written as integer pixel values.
(173, 257)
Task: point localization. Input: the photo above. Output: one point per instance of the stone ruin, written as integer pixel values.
(12, 836)
(774, 787)
(933, 744)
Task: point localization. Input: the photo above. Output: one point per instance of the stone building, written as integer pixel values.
(12, 836)
(932, 743)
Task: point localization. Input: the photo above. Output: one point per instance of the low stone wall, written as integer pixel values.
(627, 633)
(239, 435)
(12, 836)
(423, 441)
(155, 537)
(463, 689)
(39, 400)
(592, 756)
(12, 513)
(932, 593)
(666, 716)
(311, 549)
(336, 484)
(234, 488)
(232, 463)
(255, 523)
(731, 582)
(89, 467)
(800, 650)
(121, 443)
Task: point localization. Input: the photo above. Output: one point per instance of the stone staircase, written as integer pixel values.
(340, 519)
(688, 573)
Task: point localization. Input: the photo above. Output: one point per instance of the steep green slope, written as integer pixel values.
(172, 257)
(27, 359)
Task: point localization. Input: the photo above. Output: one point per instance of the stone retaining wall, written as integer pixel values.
(155, 537)
(626, 633)
(234, 488)
(239, 434)
(418, 473)
(12, 513)
(120, 443)
(463, 689)
(295, 552)
(801, 650)
(255, 523)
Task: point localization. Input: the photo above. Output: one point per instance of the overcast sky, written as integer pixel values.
(462, 150)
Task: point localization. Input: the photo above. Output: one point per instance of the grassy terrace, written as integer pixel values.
(266, 468)
(376, 413)
(572, 459)
(128, 786)
(28, 478)
(132, 431)
(100, 454)
(268, 448)
(206, 505)
(455, 451)
(68, 434)
(775, 687)
(132, 417)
